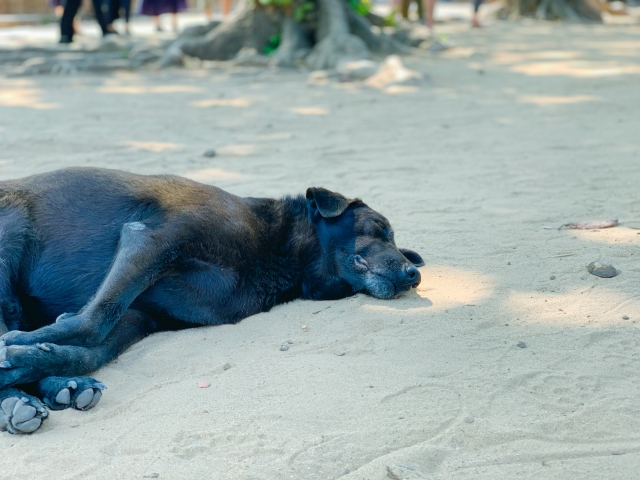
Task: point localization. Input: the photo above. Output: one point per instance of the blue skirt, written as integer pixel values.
(158, 7)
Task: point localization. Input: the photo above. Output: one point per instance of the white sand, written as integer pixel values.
(523, 126)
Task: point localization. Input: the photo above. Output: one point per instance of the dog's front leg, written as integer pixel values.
(144, 255)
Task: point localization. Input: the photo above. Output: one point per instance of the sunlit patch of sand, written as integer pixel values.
(155, 147)
(207, 175)
(609, 235)
(222, 102)
(576, 69)
(448, 287)
(24, 97)
(237, 150)
(628, 48)
(144, 90)
(544, 100)
(400, 89)
(310, 111)
(588, 307)
(505, 58)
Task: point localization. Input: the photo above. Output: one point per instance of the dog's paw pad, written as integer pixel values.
(88, 398)
(63, 397)
(21, 414)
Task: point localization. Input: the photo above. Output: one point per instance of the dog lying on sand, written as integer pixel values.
(93, 260)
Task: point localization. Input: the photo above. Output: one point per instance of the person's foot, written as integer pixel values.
(108, 33)
(475, 23)
(159, 28)
(65, 39)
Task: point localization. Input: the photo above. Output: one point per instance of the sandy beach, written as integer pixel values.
(509, 361)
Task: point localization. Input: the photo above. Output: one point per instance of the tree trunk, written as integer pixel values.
(335, 42)
(295, 44)
(333, 34)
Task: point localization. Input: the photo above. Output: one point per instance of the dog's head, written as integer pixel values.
(358, 246)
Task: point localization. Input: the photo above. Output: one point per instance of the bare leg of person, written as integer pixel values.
(474, 20)
(225, 6)
(429, 6)
(174, 22)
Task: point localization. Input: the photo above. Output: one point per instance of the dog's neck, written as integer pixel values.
(304, 272)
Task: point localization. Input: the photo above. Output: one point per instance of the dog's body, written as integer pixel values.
(93, 260)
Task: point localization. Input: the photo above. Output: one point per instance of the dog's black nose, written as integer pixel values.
(413, 275)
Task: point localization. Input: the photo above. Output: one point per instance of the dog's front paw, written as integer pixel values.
(20, 413)
(15, 337)
(81, 393)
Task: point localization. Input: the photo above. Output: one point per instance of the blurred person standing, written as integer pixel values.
(118, 7)
(155, 8)
(474, 20)
(429, 5)
(427, 8)
(58, 10)
(101, 11)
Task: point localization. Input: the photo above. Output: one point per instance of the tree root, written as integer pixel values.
(252, 28)
(376, 42)
(577, 11)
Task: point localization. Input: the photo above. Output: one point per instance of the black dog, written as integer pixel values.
(130, 255)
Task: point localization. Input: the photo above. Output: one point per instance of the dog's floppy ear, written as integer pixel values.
(328, 203)
(412, 256)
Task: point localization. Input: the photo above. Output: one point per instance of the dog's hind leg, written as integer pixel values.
(144, 255)
(21, 364)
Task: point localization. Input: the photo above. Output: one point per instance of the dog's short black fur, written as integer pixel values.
(93, 260)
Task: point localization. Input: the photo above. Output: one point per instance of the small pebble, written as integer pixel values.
(552, 277)
(508, 263)
(226, 366)
(210, 153)
(203, 384)
(521, 345)
(284, 348)
(469, 419)
(602, 270)
(625, 317)
(304, 328)
(617, 452)
(340, 354)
